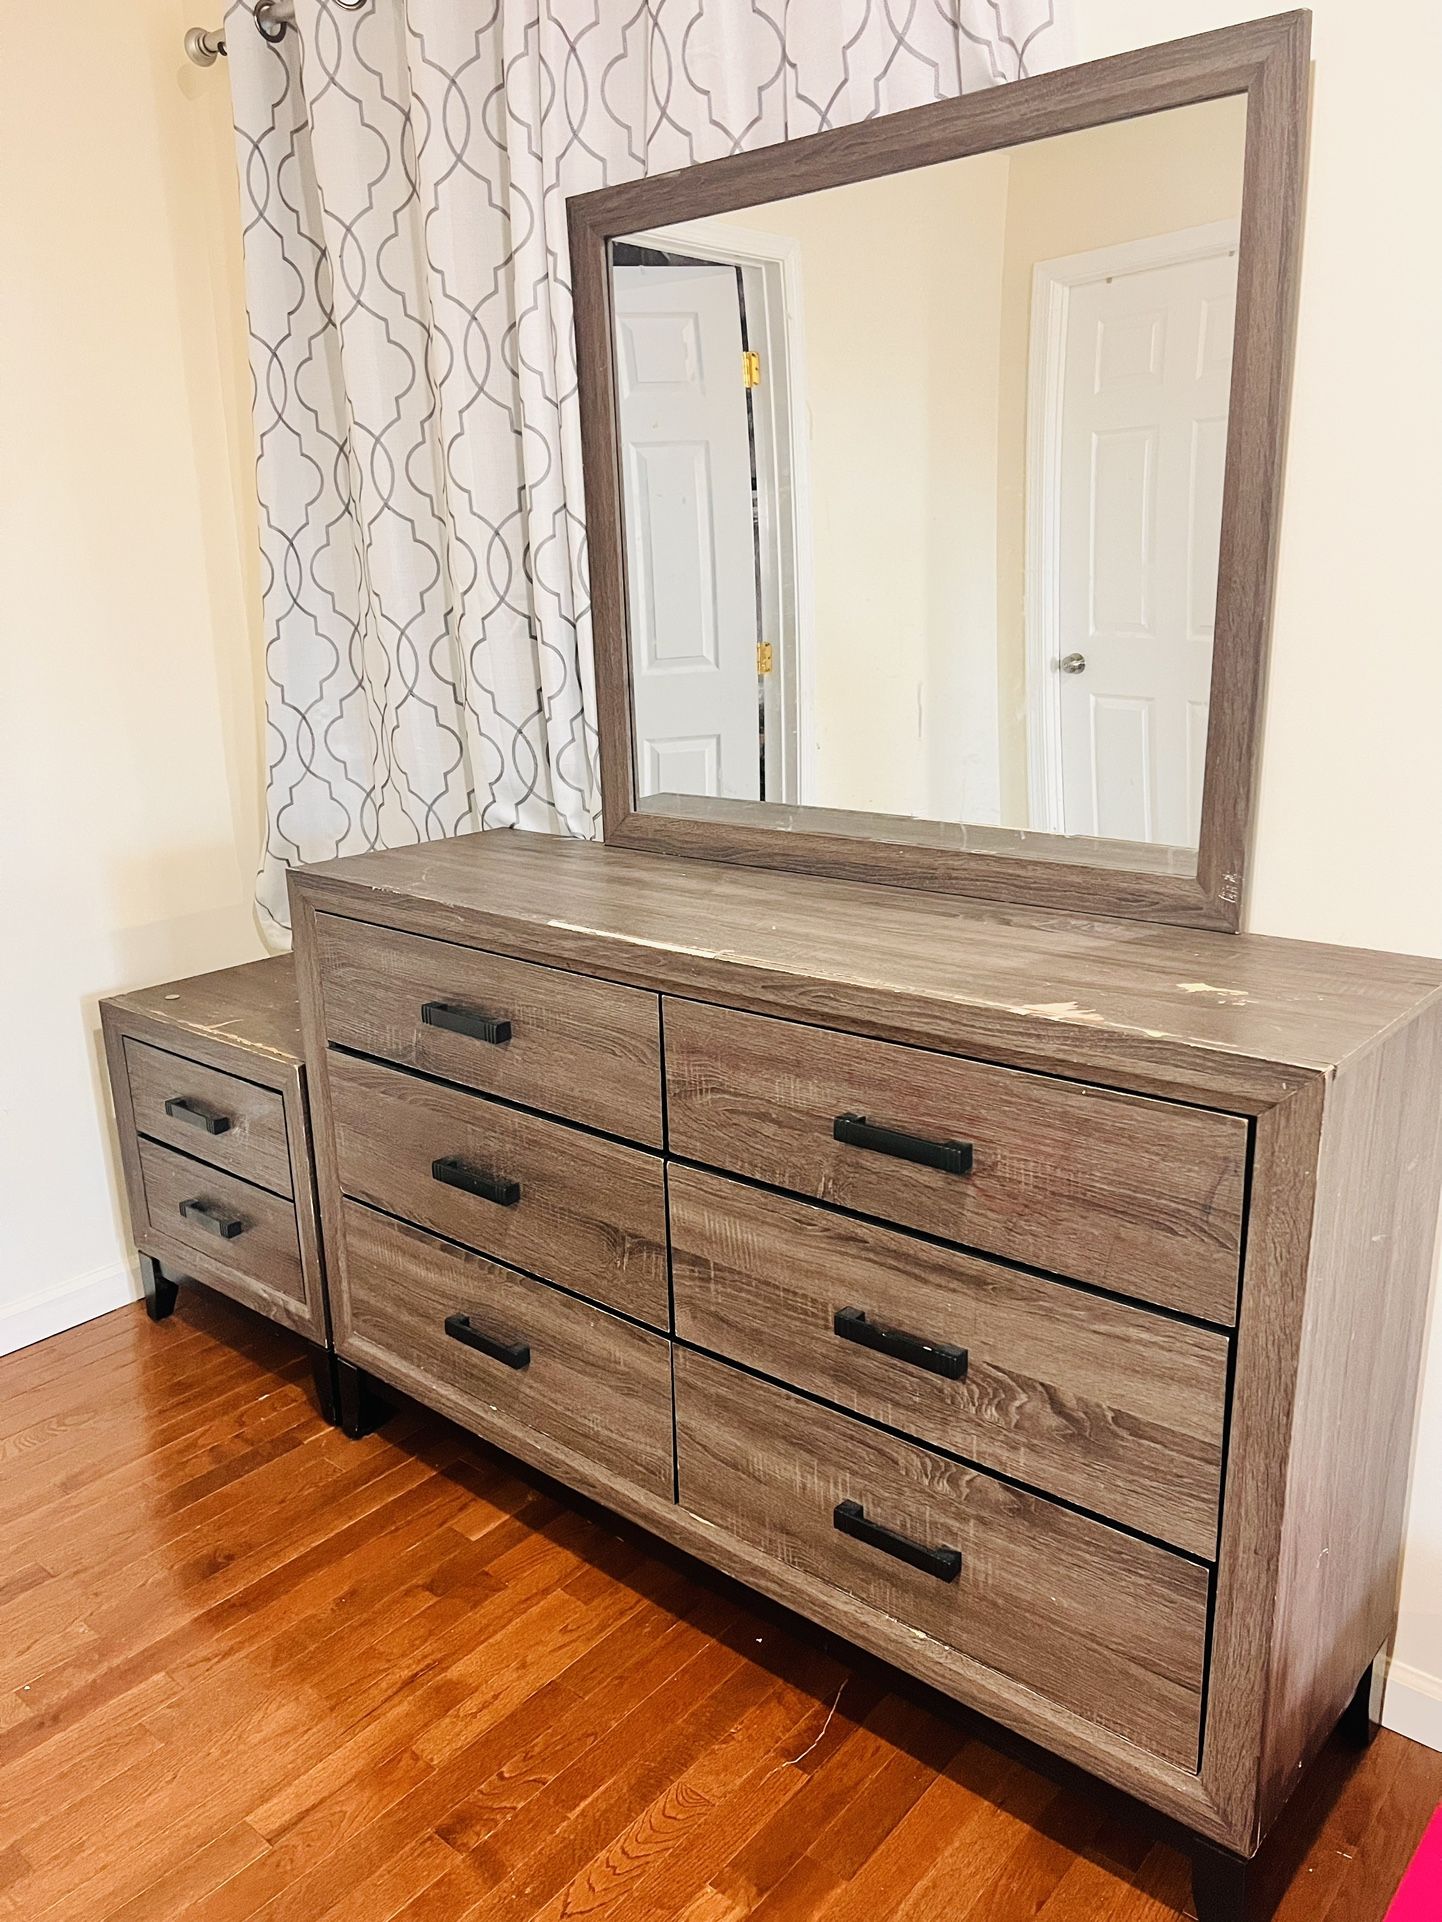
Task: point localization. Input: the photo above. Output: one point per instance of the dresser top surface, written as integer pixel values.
(971, 972)
(253, 1006)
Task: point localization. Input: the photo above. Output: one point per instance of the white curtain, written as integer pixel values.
(403, 171)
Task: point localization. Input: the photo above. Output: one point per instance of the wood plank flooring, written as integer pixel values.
(252, 1670)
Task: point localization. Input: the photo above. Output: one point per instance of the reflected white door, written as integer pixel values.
(1141, 453)
(690, 541)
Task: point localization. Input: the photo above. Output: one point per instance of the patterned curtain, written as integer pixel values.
(404, 170)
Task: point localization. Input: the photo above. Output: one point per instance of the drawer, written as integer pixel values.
(216, 1117)
(1096, 1621)
(1137, 1196)
(1112, 1407)
(573, 1208)
(523, 1360)
(228, 1223)
(587, 1050)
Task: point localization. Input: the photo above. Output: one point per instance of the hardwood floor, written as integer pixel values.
(250, 1669)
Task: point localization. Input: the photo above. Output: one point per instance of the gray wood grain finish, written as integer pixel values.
(583, 1049)
(252, 1007)
(1140, 1197)
(253, 1143)
(1268, 61)
(593, 1384)
(1241, 1021)
(1112, 1628)
(591, 1213)
(1111, 1407)
(265, 1252)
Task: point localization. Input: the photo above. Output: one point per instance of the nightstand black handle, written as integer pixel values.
(195, 1115)
(480, 1027)
(514, 1354)
(452, 1172)
(213, 1220)
(939, 1357)
(944, 1563)
(952, 1157)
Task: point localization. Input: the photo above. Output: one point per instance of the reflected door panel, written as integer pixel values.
(1142, 430)
(690, 545)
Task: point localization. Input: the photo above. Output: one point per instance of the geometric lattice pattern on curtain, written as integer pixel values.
(403, 176)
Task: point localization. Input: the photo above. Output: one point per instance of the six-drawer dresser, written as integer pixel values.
(1034, 1300)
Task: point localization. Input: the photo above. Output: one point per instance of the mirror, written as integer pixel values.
(925, 544)
(921, 484)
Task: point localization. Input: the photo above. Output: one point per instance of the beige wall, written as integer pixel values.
(1349, 835)
(129, 746)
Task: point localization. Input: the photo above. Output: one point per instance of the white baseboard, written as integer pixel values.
(1412, 1704)
(65, 1304)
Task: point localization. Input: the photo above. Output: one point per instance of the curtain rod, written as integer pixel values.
(205, 45)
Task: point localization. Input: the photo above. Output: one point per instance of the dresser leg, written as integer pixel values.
(322, 1370)
(1362, 1717)
(361, 1408)
(160, 1291)
(1221, 1885)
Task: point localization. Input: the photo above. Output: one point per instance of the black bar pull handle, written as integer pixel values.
(938, 1357)
(213, 1220)
(850, 1519)
(480, 1027)
(952, 1157)
(452, 1172)
(196, 1115)
(513, 1354)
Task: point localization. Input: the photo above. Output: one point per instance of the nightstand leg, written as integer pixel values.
(160, 1291)
(1221, 1885)
(361, 1408)
(1362, 1717)
(322, 1369)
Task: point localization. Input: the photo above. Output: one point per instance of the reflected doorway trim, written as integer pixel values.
(771, 264)
(1051, 288)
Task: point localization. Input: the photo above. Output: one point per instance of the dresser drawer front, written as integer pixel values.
(1096, 1621)
(587, 1050)
(589, 1383)
(219, 1118)
(1140, 1197)
(588, 1213)
(233, 1228)
(1112, 1407)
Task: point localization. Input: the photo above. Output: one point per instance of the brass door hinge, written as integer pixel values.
(765, 657)
(751, 369)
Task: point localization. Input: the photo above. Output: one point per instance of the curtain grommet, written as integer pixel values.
(268, 29)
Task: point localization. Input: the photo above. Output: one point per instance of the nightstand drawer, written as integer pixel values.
(229, 1224)
(1109, 1627)
(1116, 1408)
(589, 1051)
(1137, 1196)
(219, 1118)
(571, 1207)
(506, 1354)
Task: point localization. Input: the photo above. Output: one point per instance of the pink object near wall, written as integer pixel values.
(1419, 1899)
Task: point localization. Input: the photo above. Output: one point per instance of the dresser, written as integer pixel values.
(208, 1081)
(1034, 1300)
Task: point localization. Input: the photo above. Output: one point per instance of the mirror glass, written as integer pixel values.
(921, 495)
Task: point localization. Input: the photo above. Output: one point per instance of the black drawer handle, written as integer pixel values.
(213, 1220)
(195, 1115)
(943, 1563)
(455, 1173)
(952, 1157)
(514, 1354)
(480, 1027)
(939, 1357)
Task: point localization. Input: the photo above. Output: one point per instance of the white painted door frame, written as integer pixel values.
(771, 266)
(1052, 285)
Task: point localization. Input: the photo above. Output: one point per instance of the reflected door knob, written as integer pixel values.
(1073, 663)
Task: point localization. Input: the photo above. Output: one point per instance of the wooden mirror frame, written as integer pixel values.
(1267, 60)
